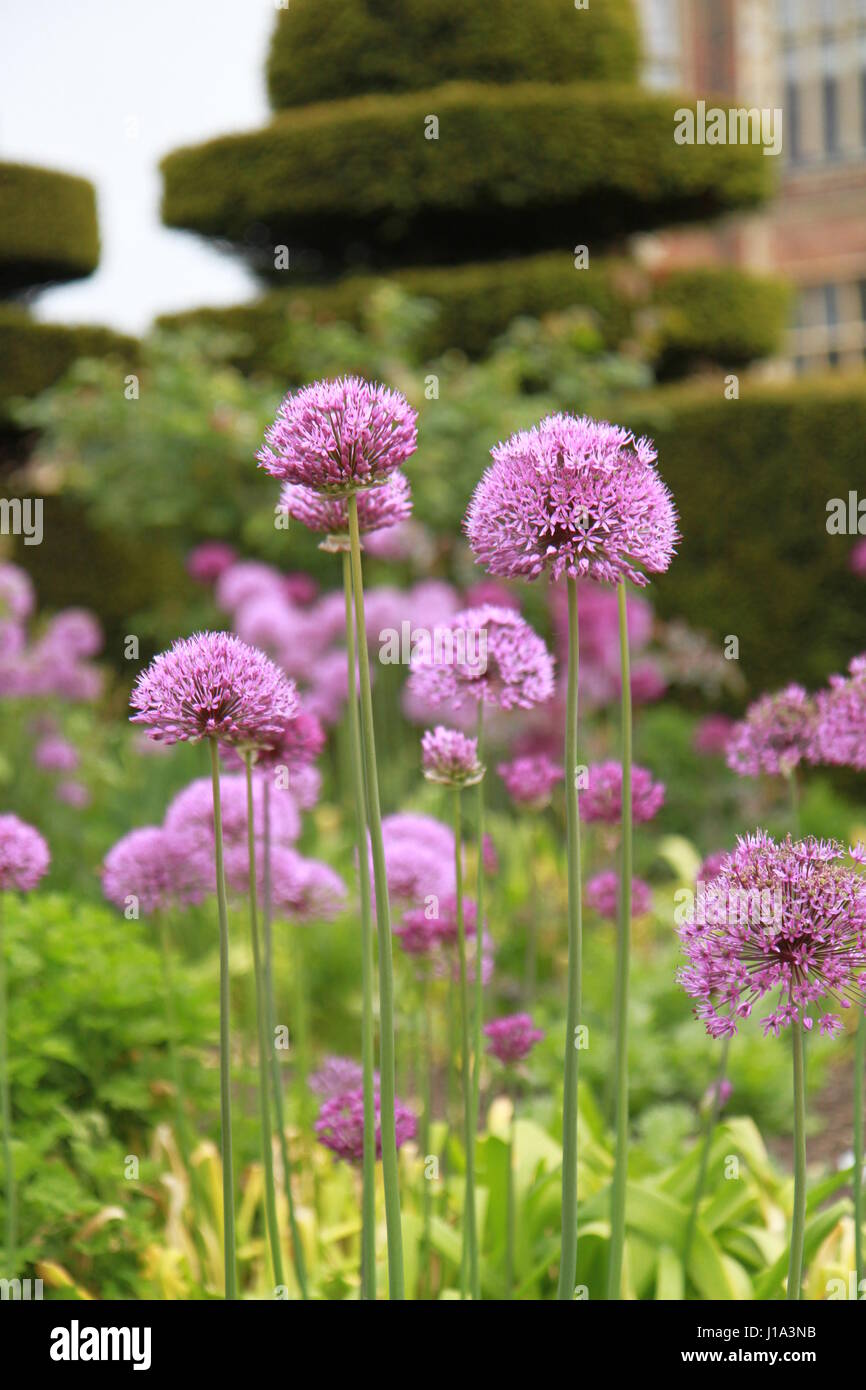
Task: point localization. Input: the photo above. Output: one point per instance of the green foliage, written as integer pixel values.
(752, 479)
(511, 167)
(350, 47)
(34, 355)
(718, 313)
(51, 232)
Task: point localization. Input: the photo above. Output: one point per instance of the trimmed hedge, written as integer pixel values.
(48, 231)
(752, 478)
(522, 166)
(35, 355)
(718, 313)
(476, 303)
(346, 48)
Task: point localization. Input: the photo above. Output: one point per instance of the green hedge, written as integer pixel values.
(522, 166)
(752, 478)
(721, 314)
(34, 355)
(49, 231)
(344, 48)
(475, 304)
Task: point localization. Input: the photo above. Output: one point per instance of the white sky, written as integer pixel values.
(104, 88)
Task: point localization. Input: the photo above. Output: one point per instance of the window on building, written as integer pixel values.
(830, 102)
(791, 117)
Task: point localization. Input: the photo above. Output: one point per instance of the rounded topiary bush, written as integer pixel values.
(34, 355)
(52, 235)
(345, 48)
(718, 313)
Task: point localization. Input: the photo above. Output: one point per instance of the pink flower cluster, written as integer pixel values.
(601, 800)
(24, 855)
(56, 662)
(512, 1038)
(450, 758)
(530, 779)
(488, 655)
(776, 735)
(602, 894)
(340, 1125)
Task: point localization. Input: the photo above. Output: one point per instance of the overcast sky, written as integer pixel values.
(104, 88)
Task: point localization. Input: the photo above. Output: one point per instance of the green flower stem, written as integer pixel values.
(298, 1260)
(478, 1019)
(231, 1289)
(623, 949)
(798, 1219)
(510, 1205)
(794, 795)
(261, 1024)
(6, 1116)
(568, 1256)
(368, 1181)
(383, 929)
(469, 1272)
(426, 1118)
(859, 1070)
(709, 1131)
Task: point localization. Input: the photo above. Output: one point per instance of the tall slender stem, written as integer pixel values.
(6, 1113)
(470, 1272)
(368, 1181)
(798, 1220)
(383, 930)
(794, 795)
(623, 949)
(709, 1131)
(426, 1116)
(478, 1019)
(261, 1022)
(568, 1256)
(509, 1205)
(298, 1260)
(231, 1290)
(859, 1070)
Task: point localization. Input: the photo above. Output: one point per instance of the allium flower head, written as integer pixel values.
(55, 754)
(17, 595)
(190, 813)
(602, 894)
(298, 746)
(206, 562)
(840, 725)
(712, 734)
(530, 780)
(340, 1126)
(419, 857)
(378, 507)
(786, 920)
(484, 654)
(75, 632)
(340, 436)
(155, 867)
(24, 856)
(857, 559)
(775, 736)
(450, 758)
(336, 1074)
(577, 497)
(213, 685)
(418, 934)
(444, 921)
(512, 1038)
(711, 866)
(602, 798)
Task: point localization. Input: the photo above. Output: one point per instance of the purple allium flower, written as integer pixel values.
(840, 726)
(484, 654)
(724, 1090)
(379, 507)
(299, 744)
(73, 793)
(775, 736)
(489, 857)
(24, 856)
(247, 580)
(190, 813)
(305, 889)
(418, 934)
(419, 857)
(17, 595)
(573, 496)
(601, 800)
(55, 754)
(530, 780)
(155, 867)
(213, 685)
(490, 593)
(75, 632)
(512, 1038)
(712, 734)
(450, 758)
(787, 917)
(340, 1126)
(602, 894)
(857, 559)
(444, 919)
(206, 562)
(711, 866)
(335, 1075)
(408, 540)
(339, 436)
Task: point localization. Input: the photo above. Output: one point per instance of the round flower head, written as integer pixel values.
(786, 920)
(485, 654)
(247, 580)
(213, 685)
(576, 497)
(530, 780)
(444, 918)
(711, 866)
(776, 734)
(17, 595)
(512, 1038)
(419, 857)
(840, 727)
(190, 814)
(602, 894)
(299, 744)
(340, 1126)
(335, 1075)
(602, 798)
(340, 436)
(75, 632)
(418, 934)
(55, 754)
(155, 867)
(24, 856)
(378, 507)
(206, 562)
(712, 734)
(449, 757)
